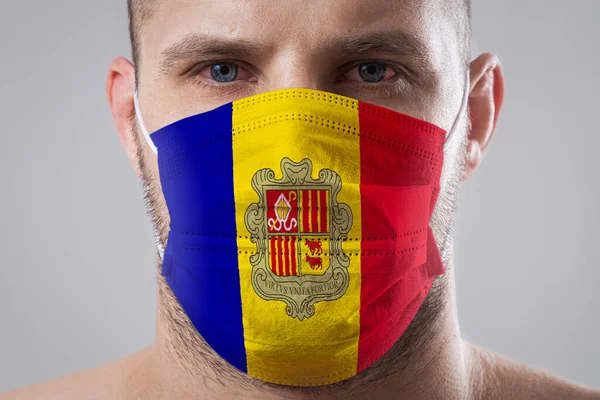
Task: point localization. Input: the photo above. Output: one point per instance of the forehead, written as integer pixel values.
(282, 25)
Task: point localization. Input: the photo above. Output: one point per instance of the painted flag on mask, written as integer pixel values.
(300, 245)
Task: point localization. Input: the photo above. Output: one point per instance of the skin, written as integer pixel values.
(431, 360)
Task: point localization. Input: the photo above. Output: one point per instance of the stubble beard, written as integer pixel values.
(186, 345)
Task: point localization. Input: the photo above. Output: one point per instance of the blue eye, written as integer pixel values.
(372, 71)
(224, 72)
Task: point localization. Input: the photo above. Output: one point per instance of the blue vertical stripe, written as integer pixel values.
(195, 161)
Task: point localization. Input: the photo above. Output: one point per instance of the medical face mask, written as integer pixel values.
(299, 241)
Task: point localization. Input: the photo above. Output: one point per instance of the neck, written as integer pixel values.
(430, 361)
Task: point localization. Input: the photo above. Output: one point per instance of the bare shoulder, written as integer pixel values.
(498, 377)
(115, 380)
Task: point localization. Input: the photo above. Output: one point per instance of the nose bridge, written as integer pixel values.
(295, 68)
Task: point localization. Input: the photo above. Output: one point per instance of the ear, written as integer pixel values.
(119, 90)
(485, 101)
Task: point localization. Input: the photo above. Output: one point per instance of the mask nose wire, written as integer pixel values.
(461, 111)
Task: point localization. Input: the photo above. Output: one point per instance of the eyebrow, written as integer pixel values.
(196, 46)
(394, 43)
(398, 43)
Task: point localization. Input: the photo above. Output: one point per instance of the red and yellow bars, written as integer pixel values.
(284, 255)
(312, 200)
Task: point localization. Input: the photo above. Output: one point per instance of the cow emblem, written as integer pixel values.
(298, 228)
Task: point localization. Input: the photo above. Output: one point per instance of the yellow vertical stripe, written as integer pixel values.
(318, 229)
(327, 203)
(288, 259)
(276, 240)
(298, 124)
(301, 211)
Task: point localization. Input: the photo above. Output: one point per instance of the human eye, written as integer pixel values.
(370, 72)
(221, 74)
(381, 78)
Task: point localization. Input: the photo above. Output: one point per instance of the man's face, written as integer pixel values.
(401, 54)
(313, 44)
(310, 44)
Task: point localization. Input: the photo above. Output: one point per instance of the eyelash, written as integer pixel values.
(400, 73)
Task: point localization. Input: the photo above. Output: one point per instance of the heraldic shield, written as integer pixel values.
(298, 227)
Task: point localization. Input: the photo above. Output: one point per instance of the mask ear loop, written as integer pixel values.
(461, 111)
(138, 114)
(140, 120)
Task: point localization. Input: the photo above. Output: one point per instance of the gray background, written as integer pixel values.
(77, 285)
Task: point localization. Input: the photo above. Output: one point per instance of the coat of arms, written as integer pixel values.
(298, 227)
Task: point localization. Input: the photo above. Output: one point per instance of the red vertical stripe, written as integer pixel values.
(287, 255)
(279, 256)
(294, 256)
(305, 211)
(401, 160)
(273, 255)
(314, 209)
(323, 210)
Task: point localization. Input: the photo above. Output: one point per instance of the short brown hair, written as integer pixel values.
(142, 10)
(139, 11)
